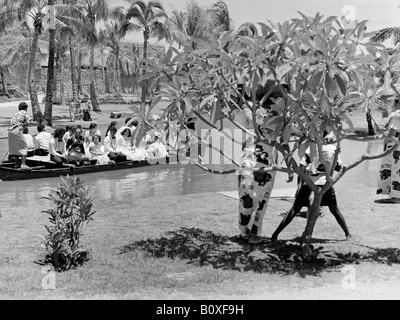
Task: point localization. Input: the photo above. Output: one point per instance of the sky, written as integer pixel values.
(379, 13)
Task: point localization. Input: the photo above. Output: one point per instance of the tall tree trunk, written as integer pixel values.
(103, 70)
(93, 97)
(119, 74)
(79, 67)
(72, 66)
(144, 83)
(36, 112)
(62, 95)
(48, 111)
(107, 80)
(115, 75)
(4, 82)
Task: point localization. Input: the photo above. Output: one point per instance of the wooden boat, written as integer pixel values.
(42, 167)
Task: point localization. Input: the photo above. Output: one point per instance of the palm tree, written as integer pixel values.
(198, 23)
(48, 110)
(115, 31)
(96, 10)
(176, 28)
(148, 18)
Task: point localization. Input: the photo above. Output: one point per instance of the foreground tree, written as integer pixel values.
(322, 70)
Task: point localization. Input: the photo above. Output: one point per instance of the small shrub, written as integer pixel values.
(72, 209)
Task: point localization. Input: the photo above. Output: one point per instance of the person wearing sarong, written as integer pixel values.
(316, 171)
(255, 183)
(389, 172)
(17, 146)
(97, 151)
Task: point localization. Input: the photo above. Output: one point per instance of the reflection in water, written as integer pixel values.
(123, 185)
(174, 180)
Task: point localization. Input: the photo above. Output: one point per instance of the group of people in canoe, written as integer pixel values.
(75, 146)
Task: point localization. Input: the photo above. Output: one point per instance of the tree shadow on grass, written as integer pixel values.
(204, 248)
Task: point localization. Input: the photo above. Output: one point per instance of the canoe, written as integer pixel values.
(42, 167)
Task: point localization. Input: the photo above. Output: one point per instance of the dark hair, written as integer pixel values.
(25, 130)
(58, 133)
(40, 127)
(127, 129)
(93, 126)
(23, 106)
(135, 123)
(96, 135)
(127, 120)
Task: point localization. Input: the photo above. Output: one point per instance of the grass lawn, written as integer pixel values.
(184, 247)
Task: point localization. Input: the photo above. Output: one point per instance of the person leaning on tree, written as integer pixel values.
(255, 183)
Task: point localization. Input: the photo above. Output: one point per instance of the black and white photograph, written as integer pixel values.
(199, 154)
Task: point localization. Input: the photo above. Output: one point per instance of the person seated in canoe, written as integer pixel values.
(90, 133)
(157, 149)
(69, 132)
(112, 124)
(129, 123)
(76, 153)
(30, 146)
(111, 145)
(57, 147)
(98, 152)
(42, 140)
(126, 147)
(17, 147)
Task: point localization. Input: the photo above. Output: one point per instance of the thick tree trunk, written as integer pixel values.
(79, 67)
(36, 112)
(62, 91)
(144, 83)
(107, 81)
(48, 111)
(4, 82)
(115, 76)
(93, 97)
(73, 75)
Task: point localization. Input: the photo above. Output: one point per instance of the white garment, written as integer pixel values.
(131, 152)
(316, 174)
(57, 148)
(42, 140)
(394, 120)
(110, 145)
(98, 153)
(157, 150)
(29, 141)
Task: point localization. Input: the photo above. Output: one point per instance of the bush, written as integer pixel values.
(73, 208)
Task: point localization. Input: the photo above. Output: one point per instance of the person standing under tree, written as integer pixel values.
(316, 170)
(389, 172)
(17, 146)
(255, 183)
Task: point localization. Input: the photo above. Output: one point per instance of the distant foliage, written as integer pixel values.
(72, 210)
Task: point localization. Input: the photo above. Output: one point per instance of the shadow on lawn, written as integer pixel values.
(203, 247)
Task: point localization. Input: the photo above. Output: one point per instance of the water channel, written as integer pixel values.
(175, 180)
